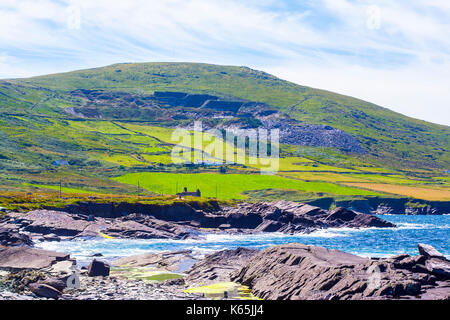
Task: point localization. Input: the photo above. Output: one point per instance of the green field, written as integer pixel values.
(231, 186)
(108, 153)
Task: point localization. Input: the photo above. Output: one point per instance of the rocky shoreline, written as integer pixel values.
(291, 271)
(284, 272)
(142, 222)
(386, 205)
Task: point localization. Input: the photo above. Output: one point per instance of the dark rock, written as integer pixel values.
(97, 255)
(411, 288)
(9, 237)
(146, 227)
(244, 220)
(438, 267)
(44, 290)
(58, 284)
(174, 282)
(362, 220)
(422, 210)
(429, 251)
(441, 291)
(292, 217)
(98, 268)
(341, 214)
(269, 226)
(408, 262)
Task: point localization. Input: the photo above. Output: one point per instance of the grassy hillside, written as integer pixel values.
(105, 154)
(388, 136)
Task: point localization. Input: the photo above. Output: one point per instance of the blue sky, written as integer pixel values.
(393, 53)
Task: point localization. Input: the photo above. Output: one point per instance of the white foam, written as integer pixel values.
(208, 243)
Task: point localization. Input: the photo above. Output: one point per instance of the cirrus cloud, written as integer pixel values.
(402, 64)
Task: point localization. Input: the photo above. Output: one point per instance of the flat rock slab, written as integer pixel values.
(61, 267)
(429, 252)
(29, 258)
(177, 261)
(218, 266)
(438, 267)
(50, 225)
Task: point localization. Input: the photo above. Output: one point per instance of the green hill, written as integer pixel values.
(102, 122)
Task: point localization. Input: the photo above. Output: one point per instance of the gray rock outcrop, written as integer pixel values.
(49, 225)
(219, 266)
(292, 217)
(297, 271)
(29, 258)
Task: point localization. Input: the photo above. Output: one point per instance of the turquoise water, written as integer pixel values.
(372, 242)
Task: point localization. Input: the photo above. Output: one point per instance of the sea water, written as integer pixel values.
(368, 242)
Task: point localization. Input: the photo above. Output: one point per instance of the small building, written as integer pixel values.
(60, 163)
(186, 193)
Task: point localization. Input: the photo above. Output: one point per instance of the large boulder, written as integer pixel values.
(98, 268)
(429, 251)
(44, 290)
(58, 284)
(29, 258)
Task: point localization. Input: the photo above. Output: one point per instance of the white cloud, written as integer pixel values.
(325, 44)
(406, 91)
